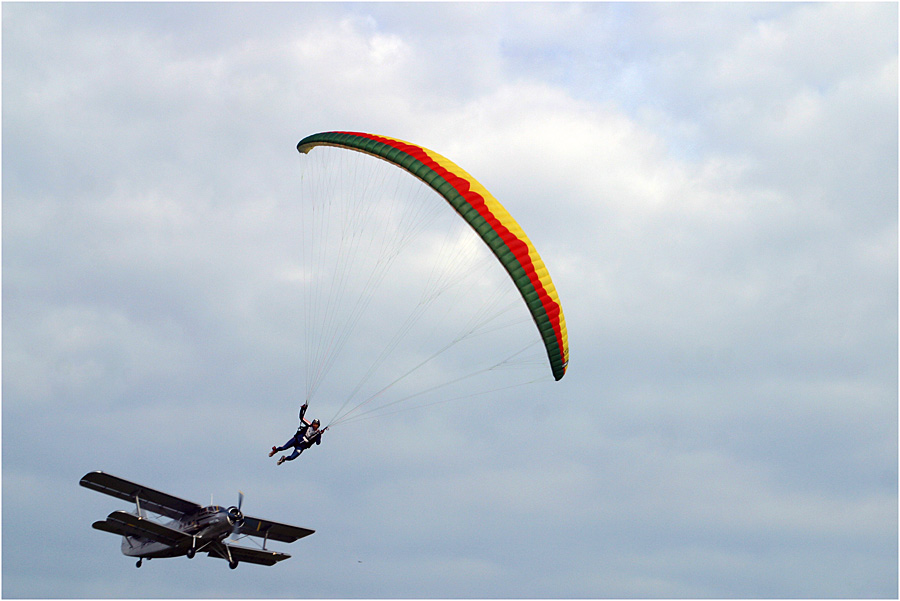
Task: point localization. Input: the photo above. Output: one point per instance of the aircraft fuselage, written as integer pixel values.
(212, 523)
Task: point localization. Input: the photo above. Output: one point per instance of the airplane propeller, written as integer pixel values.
(235, 517)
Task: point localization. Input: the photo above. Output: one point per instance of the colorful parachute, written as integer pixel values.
(485, 215)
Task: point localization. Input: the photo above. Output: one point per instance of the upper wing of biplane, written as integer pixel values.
(128, 524)
(148, 498)
(284, 533)
(260, 556)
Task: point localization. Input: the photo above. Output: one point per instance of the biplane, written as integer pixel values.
(193, 528)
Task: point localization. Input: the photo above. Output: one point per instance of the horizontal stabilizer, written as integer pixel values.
(114, 528)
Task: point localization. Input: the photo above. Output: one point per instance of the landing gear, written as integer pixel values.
(139, 562)
(232, 564)
(191, 553)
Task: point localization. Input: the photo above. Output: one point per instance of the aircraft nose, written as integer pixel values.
(235, 517)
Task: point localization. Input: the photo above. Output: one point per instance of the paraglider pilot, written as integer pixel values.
(307, 435)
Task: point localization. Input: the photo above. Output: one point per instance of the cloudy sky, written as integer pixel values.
(713, 186)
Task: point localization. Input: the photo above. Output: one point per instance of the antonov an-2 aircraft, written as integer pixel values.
(193, 528)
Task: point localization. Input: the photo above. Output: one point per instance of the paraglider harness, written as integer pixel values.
(300, 439)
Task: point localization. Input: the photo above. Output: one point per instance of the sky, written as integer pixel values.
(713, 187)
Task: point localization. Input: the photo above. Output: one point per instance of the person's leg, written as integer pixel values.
(283, 447)
(295, 454)
(287, 445)
(290, 457)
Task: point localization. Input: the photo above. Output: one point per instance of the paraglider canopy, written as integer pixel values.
(490, 220)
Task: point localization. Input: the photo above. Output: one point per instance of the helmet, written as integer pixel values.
(315, 422)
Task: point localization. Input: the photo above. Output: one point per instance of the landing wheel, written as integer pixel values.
(139, 562)
(191, 553)
(232, 564)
